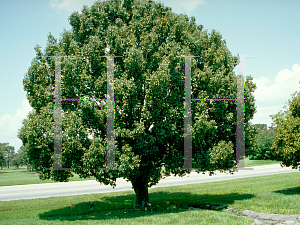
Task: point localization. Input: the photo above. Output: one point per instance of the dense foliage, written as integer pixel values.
(264, 139)
(287, 139)
(149, 96)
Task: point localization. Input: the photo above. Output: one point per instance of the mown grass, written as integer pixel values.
(20, 176)
(278, 193)
(250, 163)
(13, 176)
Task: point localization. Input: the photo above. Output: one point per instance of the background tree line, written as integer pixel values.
(7, 153)
(264, 137)
(8, 156)
(280, 141)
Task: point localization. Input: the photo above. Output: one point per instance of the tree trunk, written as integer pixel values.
(141, 193)
(29, 168)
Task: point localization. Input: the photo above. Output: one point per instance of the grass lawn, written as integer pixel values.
(13, 176)
(20, 176)
(278, 193)
(250, 163)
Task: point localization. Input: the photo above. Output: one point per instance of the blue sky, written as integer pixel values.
(267, 29)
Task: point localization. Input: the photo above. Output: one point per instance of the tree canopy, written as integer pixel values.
(149, 96)
(287, 139)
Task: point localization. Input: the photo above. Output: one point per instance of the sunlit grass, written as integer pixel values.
(278, 193)
(13, 176)
(250, 163)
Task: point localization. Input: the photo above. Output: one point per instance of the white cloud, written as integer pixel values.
(9, 125)
(180, 6)
(271, 96)
(70, 5)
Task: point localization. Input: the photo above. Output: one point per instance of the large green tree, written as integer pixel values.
(287, 139)
(149, 96)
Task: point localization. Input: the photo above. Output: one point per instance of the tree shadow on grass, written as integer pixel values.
(289, 191)
(120, 207)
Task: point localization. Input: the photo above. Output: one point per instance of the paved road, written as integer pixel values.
(32, 191)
